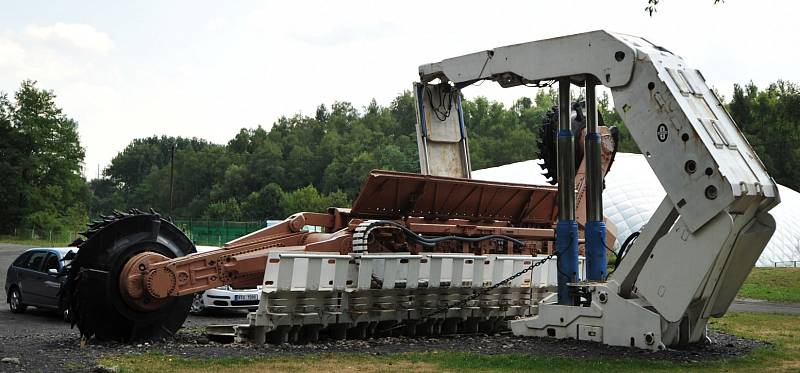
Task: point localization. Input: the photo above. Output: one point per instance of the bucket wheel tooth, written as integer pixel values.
(547, 145)
(92, 291)
(548, 139)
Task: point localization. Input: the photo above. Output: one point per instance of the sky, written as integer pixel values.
(209, 68)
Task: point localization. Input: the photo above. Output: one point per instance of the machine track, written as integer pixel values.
(302, 334)
(92, 291)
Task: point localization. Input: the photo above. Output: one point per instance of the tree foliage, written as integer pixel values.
(302, 163)
(305, 163)
(770, 119)
(40, 163)
(652, 5)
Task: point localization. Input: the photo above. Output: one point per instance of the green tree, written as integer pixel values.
(305, 199)
(224, 210)
(770, 120)
(267, 203)
(12, 189)
(104, 197)
(42, 159)
(130, 167)
(305, 163)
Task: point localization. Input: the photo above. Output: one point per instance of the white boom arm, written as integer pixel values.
(693, 255)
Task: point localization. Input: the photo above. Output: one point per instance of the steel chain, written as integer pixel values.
(476, 295)
(482, 292)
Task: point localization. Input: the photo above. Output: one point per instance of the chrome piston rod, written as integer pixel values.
(595, 229)
(594, 171)
(567, 227)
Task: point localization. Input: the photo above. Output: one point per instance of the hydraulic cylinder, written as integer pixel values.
(566, 228)
(595, 230)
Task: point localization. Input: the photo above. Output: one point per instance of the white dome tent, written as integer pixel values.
(633, 192)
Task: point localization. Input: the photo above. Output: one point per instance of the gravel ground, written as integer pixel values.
(42, 342)
(57, 348)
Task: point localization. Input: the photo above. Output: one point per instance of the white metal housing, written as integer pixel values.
(325, 289)
(704, 238)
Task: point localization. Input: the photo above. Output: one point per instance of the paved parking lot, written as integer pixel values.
(43, 341)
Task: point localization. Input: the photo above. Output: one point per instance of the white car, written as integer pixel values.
(224, 297)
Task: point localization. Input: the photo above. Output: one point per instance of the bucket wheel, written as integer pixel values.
(92, 292)
(548, 139)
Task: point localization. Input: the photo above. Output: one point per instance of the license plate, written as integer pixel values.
(246, 297)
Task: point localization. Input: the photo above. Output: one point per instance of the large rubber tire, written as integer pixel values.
(92, 289)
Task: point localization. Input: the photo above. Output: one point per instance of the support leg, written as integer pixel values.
(595, 233)
(567, 228)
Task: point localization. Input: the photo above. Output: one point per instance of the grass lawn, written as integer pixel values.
(782, 330)
(773, 284)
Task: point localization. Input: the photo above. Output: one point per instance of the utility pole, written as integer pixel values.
(171, 174)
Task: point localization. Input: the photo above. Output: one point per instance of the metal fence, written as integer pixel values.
(42, 237)
(201, 231)
(216, 232)
(787, 263)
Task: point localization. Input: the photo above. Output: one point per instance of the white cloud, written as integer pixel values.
(72, 34)
(209, 72)
(11, 53)
(71, 60)
(216, 24)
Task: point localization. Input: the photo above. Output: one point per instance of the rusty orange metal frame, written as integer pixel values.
(430, 205)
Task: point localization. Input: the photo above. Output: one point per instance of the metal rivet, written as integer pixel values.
(690, 167)
(711, 192)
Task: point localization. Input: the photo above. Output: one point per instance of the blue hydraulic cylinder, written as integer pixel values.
(567, 261)
(596, 259)
(595, 229)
